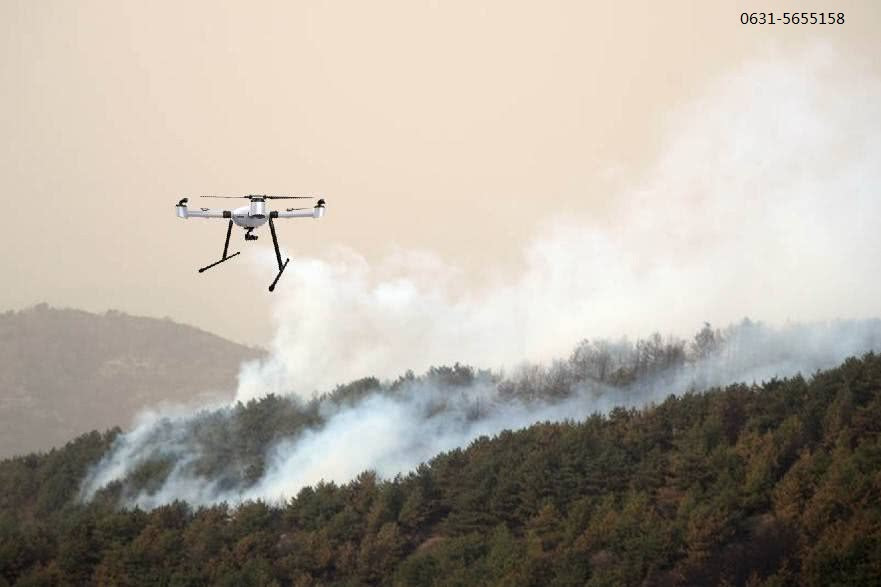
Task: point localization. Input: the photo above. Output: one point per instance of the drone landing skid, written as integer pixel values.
(225, 249)
(281, 266)
(227, 258)
(280, 271)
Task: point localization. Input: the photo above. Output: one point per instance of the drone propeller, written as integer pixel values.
(292, 209)
(257, 196)
(288, 197)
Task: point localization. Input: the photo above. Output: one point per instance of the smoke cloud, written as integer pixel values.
(391, 431)
(763, 202)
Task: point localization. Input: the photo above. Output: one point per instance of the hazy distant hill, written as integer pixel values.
(65, 372)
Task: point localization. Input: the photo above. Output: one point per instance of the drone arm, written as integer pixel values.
(316, 212)
(184, 212)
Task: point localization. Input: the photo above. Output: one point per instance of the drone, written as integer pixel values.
(251, 217)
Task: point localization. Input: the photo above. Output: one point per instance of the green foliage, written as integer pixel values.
(776, 484)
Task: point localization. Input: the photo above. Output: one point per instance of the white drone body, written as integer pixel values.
(250, 218)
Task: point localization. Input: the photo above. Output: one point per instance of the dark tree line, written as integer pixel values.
(776, 484)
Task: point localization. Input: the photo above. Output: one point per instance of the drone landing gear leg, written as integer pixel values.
(225, 249)
(281, 266)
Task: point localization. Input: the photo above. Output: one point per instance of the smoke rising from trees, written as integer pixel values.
(763, 202)
(271, 448)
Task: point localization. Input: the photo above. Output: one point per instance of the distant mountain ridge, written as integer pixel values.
(64, 372)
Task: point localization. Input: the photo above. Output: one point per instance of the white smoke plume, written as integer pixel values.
(764, 202)
(392, 431)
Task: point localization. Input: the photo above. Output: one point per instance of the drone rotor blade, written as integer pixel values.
(289, 197)
(292, 209)
(258, 196)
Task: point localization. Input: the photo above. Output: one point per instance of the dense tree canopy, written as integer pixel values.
(772, 484)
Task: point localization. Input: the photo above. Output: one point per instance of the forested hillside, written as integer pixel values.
(64, 372)
(771, 484)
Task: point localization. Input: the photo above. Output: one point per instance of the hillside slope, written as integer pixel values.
(65, 372)
(776, 484)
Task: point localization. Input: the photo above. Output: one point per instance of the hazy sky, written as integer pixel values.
(453, 127)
